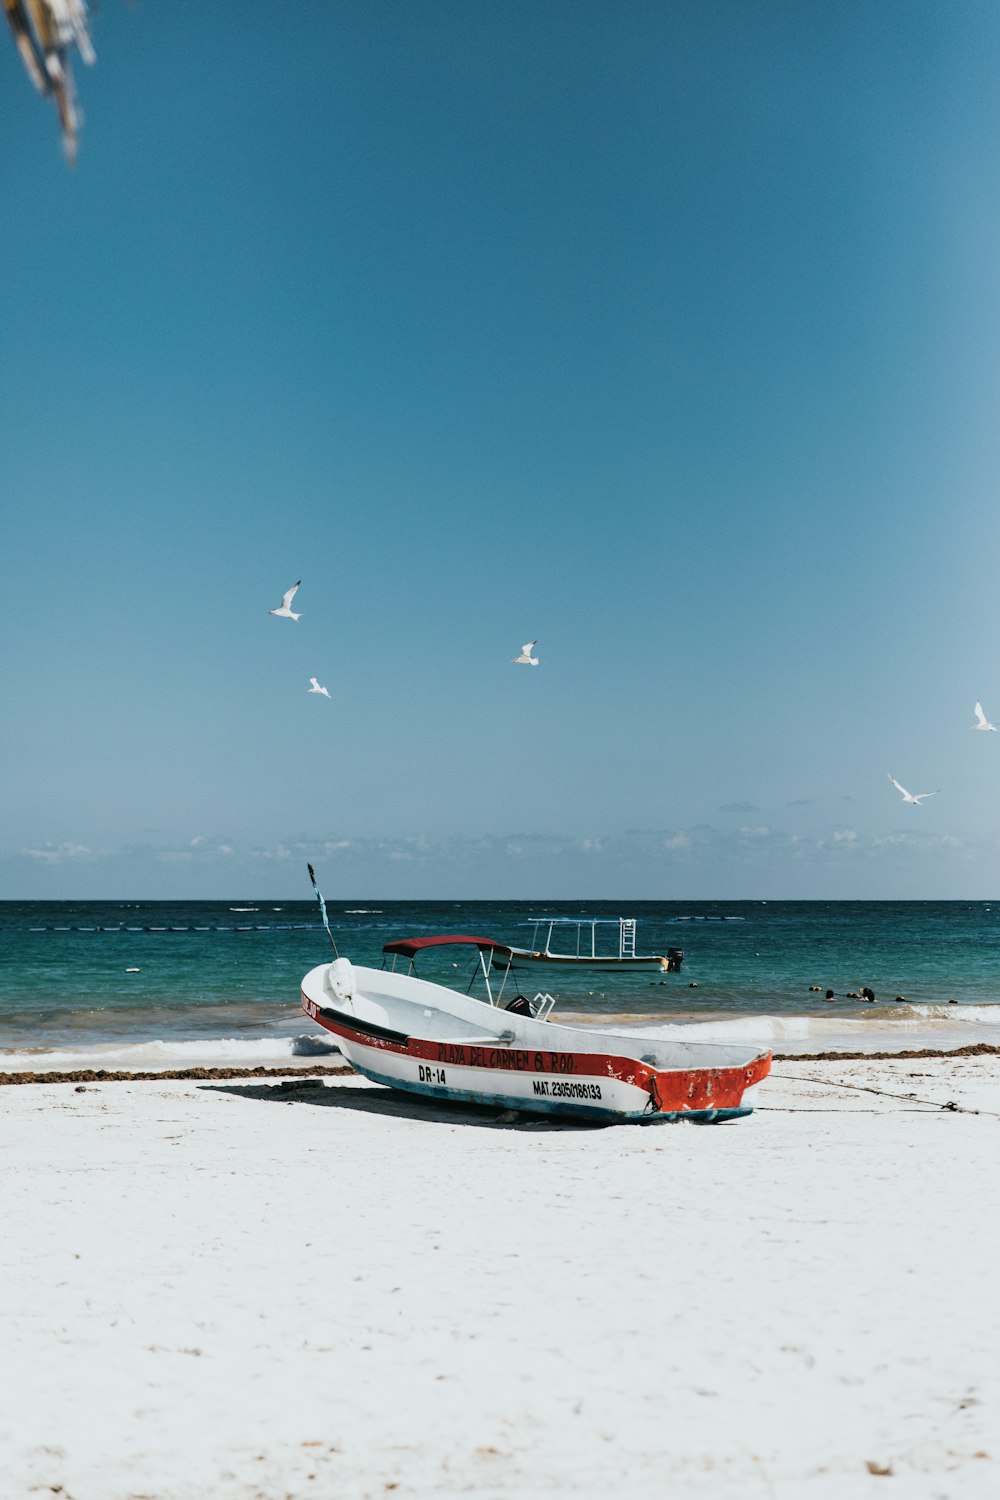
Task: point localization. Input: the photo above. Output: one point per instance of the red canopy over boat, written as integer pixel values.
(409, 946)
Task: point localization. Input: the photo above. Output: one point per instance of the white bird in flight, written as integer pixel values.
(526, 656)
(908, 796)
(284, 610)
(315, 688)
(44, 32)
(983, 721)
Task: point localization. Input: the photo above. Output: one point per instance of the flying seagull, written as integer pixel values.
(45, 32)
(284, 610)
(317, 689)
(983, 721)
(526, 656)
(908, 796)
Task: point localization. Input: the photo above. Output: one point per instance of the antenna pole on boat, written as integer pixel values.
(322, 907)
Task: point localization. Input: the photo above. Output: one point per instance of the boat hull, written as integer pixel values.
(524, 1065)
(520, 959)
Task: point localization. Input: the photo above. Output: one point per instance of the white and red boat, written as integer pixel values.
(426, 1038)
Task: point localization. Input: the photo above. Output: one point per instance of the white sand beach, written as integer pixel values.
(243, 1290)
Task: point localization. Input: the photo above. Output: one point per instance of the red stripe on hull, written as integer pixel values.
(670, 1090)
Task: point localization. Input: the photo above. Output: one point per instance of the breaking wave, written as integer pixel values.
(147, 1057)
(901, 1028)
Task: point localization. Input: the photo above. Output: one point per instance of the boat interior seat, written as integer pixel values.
(421, 1020)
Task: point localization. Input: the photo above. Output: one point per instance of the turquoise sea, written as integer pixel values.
(171, 983)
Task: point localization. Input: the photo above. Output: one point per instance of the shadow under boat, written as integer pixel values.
(388, 1103)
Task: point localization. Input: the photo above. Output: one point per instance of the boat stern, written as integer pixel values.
(705, 1095)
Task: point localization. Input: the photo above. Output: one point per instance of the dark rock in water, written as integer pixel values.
(693, 984)
(901, 997)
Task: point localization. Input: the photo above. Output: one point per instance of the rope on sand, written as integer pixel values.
(867, 1088)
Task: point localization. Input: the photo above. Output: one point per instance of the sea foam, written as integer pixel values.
(904, 1028)
(158, 1053)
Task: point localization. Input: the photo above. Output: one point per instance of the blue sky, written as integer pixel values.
(664, 333)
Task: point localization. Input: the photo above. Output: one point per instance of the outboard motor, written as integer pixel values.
(521, 1006)
(675, 957)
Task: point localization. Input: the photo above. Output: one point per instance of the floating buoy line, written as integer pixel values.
(216, 927)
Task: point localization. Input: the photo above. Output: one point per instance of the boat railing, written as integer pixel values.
(626, 935)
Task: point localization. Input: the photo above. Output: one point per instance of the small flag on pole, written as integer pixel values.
(322, 907)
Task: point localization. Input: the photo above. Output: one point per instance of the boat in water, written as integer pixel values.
(426, 1038)
(582, 946)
